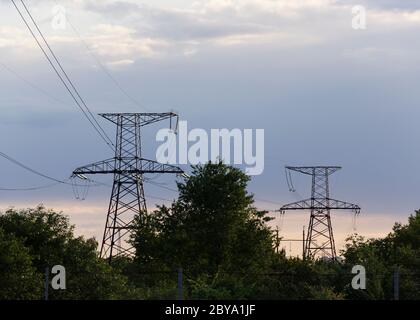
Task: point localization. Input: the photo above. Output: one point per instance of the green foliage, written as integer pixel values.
(382, 257)
(18, 277)
(43, 232)
(222, 242)
(212, 228)
(39, 238)
(214, 232)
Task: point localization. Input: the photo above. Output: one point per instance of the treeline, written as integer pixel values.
(220, 240)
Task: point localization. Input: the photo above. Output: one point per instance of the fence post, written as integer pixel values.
(47, 283)
(180, 291)
(396, 282)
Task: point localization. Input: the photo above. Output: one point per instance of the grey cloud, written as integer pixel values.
(350, 93)
(385, 4)
(36, 119)
(175, 24)
(184, 25)
(201, 23)
(116, 9)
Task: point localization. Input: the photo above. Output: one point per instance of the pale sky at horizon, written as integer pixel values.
(324, 93)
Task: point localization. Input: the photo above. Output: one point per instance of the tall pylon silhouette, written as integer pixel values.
(128, 167)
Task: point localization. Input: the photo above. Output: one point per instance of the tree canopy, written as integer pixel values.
(34, 239)
(223, 244)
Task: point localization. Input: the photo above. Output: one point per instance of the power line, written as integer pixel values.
(159, 185)
(30, 188)
(148, 196)
(64, 72)
(38, 173)
(109, 141)
(268, 201)
(31, 84)
(105, 70)
(86, 111)
(158, 198)
(7, 157)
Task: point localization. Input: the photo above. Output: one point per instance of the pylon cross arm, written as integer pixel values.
(299, 205)
(100, 167)
(320, 170)
(150, 166)
(143, 119)
(337, 205)
(320, 204)
(127, 166)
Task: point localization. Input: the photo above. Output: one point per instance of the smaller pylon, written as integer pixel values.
(320, 238)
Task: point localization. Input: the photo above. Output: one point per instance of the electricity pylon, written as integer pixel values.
(128, 167)
(319, 239)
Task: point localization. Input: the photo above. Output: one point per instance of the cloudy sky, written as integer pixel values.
(325, 94)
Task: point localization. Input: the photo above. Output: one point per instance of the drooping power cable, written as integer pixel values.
(36, 172)
(63, 77)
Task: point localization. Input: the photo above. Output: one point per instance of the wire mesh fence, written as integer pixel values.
(184, 284)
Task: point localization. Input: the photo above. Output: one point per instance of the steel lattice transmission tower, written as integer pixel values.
(320, 239)
(128, 167)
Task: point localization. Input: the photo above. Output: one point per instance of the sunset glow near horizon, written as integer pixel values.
(323, 92)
